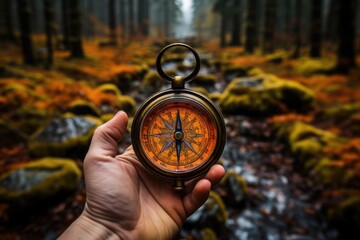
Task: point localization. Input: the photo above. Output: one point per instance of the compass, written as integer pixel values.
(178, 133)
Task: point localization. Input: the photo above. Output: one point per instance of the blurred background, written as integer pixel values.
(283, 72)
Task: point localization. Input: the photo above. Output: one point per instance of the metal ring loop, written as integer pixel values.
(187, 78)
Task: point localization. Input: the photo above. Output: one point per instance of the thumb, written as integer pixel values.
(107, 136)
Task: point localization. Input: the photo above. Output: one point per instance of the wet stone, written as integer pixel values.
(24, 179)
(62, 129)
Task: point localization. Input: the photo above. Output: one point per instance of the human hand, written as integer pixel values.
(124, 201)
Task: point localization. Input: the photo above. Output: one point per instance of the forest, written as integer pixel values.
(284, 73)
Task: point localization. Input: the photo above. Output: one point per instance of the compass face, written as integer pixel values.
(178, 136)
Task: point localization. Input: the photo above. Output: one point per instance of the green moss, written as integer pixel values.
(205, 79)
(152, 81)
(63, 177)
(277, 57)
(346, 216)
(215, 96)
(340, 113)
(83, 108)
(10, 135)
(238, 71)
(106, 117)
(255, 72)
(110, 89)
(308, 66)
(208, 234)
(28, 119)
(307, 142)
(127, 104)
(215, 202)
(265, 95)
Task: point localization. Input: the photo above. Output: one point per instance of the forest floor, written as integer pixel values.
(284, 199)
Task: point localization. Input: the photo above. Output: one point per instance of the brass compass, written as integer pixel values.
(178, 134)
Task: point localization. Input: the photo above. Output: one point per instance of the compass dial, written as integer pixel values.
(178, 136)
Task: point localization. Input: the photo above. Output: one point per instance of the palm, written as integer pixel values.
(123, 197)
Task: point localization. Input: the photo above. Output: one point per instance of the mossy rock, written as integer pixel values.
(235, 189)
(10, 135)
(205, 79)
(127, 104)
(308, 66)
(307, 142)
(110, 89)
(64, 136)
(211, 215)
(106, 117)
(39, 182)
(265, 95)
(233, 71)
(152, 82)
(346, 216)
(277, 57)
(340, 113)
(215, 96)
(28, 119)
(84, 108)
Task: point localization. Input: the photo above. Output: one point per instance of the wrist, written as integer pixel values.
(86, 228)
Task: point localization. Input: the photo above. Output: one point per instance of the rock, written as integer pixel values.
(309, 66)
(205, 80)
(233, 71)
(307, 142)
(84, 108)
(215, 96)
(10, 135)
(211, 215)
(28, 119)
(152, 82)
(340, 113)
(64, 136)
(109, 88)
(127, 104)
(346, 217)
(265, 95)
(233, 188)
(39, 182)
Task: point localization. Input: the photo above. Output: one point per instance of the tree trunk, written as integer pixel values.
(269, 28)
(166, 18)
(65, 23)
(251, 40)
(143, 17)
(75, 30)
(346, 32)
(331, 22)
(223, 22)
(8, 19)
(123, 22)
(236, 24)
(112, 22)
(131, 19)
(49, 25)
(24, 13)
(315, 38)
(297, 29)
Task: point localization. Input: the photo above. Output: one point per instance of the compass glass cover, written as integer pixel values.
(178, 136)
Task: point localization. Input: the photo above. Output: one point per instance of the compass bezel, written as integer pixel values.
(182, 95)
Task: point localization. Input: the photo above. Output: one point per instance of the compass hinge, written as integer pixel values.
(178, 82)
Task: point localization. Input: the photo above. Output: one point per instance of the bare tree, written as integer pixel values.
(24, 13)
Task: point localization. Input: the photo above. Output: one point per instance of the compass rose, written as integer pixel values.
(174, 136)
